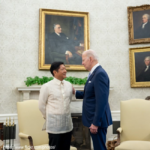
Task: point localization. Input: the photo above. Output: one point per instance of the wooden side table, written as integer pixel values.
(1, 145)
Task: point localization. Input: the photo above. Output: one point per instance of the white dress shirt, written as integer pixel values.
(144, 25)
(146, 68)
(57, 34)
(94, 67)
(54, 103)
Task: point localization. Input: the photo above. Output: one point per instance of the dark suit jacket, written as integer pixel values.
(61, 43)
(144, 76)
(142, 32)
(96, 108)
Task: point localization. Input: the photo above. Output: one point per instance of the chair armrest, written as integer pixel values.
(25, 136)
(119, 130)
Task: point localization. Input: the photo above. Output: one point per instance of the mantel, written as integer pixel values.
(37, 88)
(26, 90)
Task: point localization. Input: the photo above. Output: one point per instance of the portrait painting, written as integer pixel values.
(140, 67)
(64, 36)
(139, 24)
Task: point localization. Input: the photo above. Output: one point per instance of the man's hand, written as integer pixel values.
(69, 53)
(73, 90)
(82, 44)
(93, 129)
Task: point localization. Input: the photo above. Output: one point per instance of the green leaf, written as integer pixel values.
(40, 81)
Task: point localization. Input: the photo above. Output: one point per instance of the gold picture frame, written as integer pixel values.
(138, 28)
(63, 36)
(139, 72)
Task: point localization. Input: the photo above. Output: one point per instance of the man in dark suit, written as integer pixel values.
(145, 73)
(96, 114)
(62, 44)
(144, 30)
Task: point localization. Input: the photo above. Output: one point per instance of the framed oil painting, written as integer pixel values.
(139, 24)
(140, 67)
(64, 36)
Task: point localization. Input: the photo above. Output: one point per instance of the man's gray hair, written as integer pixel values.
(148, 57)
(147, 15)
(91, 53)
(55, 25)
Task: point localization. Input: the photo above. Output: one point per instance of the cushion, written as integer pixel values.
(45, 147)
(134, 145)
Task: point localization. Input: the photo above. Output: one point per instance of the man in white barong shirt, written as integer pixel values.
(54, 104)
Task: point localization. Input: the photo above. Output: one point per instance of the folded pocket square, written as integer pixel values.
(89, 81)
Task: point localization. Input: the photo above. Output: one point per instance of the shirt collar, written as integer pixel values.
(145, 23)
(57, 34)
(94, 67)
(58, 81)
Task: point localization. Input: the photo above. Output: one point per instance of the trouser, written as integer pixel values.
(60, 141)
(99, 139)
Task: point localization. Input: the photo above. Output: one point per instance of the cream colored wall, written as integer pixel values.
(19, 34)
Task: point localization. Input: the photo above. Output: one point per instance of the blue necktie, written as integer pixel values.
(89, 75)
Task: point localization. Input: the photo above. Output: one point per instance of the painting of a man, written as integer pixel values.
(143, 31)
(62, 44)
(64, 37)
(140, 66)
(144, 75)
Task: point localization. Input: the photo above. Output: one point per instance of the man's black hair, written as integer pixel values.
(55, 66)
